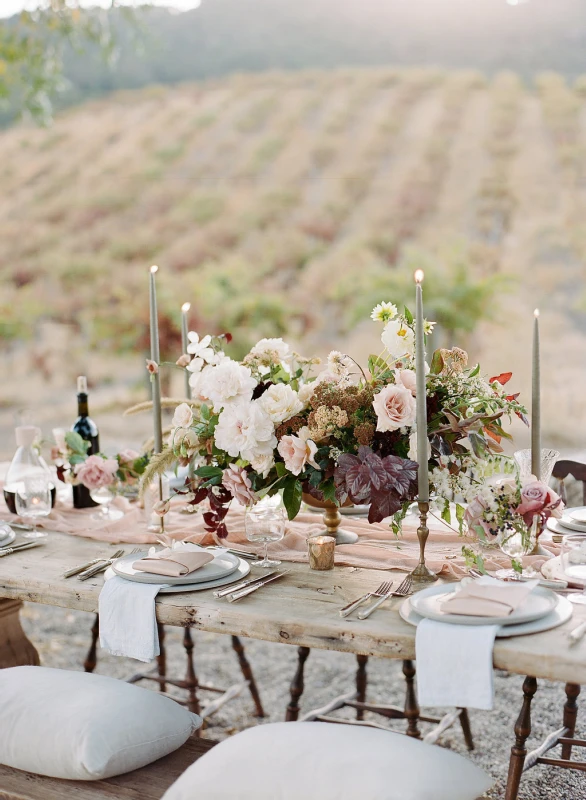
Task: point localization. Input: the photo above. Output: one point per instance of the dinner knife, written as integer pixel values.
(244, 592)
(241, 585)
(7, 551)
(13, 547)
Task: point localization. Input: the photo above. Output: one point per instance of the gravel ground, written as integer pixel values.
(62, 638)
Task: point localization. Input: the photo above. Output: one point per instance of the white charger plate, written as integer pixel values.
(224, 564)
(345, 511)
(427, 603)
(560, 614)
(6, 538)
(553, 570)
(241, 572)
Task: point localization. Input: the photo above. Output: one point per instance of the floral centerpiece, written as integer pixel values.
(266, 425)
(511, 512)
(98, 471)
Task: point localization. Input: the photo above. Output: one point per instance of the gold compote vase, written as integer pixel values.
(332, 519)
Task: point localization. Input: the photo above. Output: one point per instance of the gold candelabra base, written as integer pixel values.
(422, 573)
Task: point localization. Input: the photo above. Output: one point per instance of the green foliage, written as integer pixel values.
(292, 494)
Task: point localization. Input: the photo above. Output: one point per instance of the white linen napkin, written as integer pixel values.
(454, 662)
(128, 623)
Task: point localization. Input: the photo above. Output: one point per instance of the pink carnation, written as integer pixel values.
(97, 472)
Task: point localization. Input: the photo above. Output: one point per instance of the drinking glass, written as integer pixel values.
(33, 501)
(264, 524)
(104, 496)
(548, 459)
(573, 560)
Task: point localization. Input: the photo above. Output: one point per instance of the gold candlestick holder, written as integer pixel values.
(422, 573)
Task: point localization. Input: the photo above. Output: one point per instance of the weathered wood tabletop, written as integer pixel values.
(299, 609)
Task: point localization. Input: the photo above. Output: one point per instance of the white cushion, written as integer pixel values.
(84, 727)
(325, 761)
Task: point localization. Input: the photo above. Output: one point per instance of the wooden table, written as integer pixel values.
(300, 609)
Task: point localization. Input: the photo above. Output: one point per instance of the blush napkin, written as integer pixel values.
(454, 662)
(173, 562)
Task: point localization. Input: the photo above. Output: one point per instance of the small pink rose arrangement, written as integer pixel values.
(97, 472)
(512, 503)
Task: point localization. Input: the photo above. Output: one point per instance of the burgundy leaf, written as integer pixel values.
(401, 474)
(376, 471)
(383, 504)
(209, 519)
(358, 483)
(222, 531)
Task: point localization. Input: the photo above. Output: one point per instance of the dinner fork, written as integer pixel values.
(402, 591)
(103, 565)
(382, 589)
(81, 567)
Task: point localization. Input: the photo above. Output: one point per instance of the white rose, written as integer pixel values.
(305, 393)
(276, 347)
(398, 338)
(263, 463)
(227, 383)
(183, 416)
(280, 402)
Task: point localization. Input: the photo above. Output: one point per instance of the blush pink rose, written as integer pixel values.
(97, 472)
(128, 456)
(408, 379)
(538, 498)
(395, 408)
(297, 451)
(237, 482)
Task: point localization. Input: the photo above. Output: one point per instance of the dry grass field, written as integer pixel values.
(287, 204)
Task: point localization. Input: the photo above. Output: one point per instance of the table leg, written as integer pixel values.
(15, 649)
(522, 732)
(297, 685)
(411, 704)
(91, 659)
(361, 679)
(248, 676)
(570, 715)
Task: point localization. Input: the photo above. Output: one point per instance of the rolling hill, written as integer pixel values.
(291, 202)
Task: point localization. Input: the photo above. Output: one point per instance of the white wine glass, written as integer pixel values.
(515, 541)
(264, 524)
(33, 501)
(573, 558)
(104, 496)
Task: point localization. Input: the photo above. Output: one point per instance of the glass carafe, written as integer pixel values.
(27, 463)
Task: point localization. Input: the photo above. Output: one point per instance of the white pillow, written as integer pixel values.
(85, 727)
(325, 761)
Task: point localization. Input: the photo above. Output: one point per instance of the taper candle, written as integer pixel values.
(184, 342)
(422, 441)
(155, 356)
(536, 402)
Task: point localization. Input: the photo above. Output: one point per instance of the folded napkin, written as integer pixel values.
(128, 625)
(487, 597)
(174, 562)
(454, 662)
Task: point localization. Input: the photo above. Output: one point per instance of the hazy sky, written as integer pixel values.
(9, 7)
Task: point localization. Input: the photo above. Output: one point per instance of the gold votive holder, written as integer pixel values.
(321, 552)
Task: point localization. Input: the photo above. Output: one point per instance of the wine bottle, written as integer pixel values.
(88, 430)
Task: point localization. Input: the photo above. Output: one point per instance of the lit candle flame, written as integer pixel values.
(154, 269)
(418, 276)
(536, 313)
(185, 307)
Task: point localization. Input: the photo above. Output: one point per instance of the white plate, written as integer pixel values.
(553, 570)
(560, 614)
(241, 572)
(566, 524)
(427, 604)
(577, 515)
(6, 538)
(224, 563)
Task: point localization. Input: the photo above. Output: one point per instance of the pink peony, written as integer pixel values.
(538, 498)
(97, 472)
(237, 482)
(297, 451)
(395, 408)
